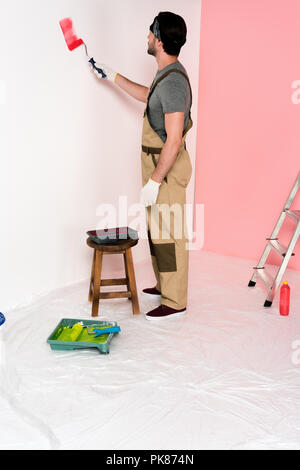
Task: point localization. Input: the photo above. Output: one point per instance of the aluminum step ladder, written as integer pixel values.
(273, 243)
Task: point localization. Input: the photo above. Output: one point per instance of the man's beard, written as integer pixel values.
(151, 49)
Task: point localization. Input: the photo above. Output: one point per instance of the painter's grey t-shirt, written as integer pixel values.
(171, 95)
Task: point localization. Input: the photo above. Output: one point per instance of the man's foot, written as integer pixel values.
(163, 312)
(151, 291)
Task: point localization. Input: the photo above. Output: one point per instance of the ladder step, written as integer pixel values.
(278, 247)
(295, 215)
(265, 277)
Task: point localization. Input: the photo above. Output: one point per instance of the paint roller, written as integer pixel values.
(73, 41)
(71, 334)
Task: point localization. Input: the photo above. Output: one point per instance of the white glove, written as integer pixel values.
(103, 71)
(149, 193)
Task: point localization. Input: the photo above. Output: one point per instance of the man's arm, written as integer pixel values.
(139, 92)
(174, 123)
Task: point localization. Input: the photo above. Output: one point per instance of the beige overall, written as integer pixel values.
(167, 242)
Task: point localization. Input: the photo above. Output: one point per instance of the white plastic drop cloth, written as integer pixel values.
(224, 376)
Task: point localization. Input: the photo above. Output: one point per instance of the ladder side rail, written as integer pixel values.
(278, 225)
(293, 193)
(286, 206)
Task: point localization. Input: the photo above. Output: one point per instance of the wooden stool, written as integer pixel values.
(123, 247)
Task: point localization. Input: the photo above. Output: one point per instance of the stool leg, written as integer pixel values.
(132, 283)
(126, 271)
(92, 278)
(97, 282)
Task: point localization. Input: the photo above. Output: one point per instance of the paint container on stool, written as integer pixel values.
(284, 299)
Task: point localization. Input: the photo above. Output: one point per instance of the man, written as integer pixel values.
(166, 167)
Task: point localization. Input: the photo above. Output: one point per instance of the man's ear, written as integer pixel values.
(160, 44)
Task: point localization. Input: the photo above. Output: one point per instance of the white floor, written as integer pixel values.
(223, 376)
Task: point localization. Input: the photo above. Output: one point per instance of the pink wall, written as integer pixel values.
(248, 142)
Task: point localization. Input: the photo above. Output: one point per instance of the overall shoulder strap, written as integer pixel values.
(164, 76)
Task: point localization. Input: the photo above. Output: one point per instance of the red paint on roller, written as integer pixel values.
(71, 39)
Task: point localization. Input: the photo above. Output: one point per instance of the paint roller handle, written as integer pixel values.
(97, 69)
(102, 331)
(103, 70)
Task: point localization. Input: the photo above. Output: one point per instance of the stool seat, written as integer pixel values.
(116, 247)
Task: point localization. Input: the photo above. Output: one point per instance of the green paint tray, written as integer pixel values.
(84, 340)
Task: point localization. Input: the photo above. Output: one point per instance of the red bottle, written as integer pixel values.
(284, 298)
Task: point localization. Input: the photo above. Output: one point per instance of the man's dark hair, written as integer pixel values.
(173, 31)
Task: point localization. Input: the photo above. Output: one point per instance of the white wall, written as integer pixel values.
(69, 142)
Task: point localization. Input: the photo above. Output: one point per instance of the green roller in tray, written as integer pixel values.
(79, 334)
